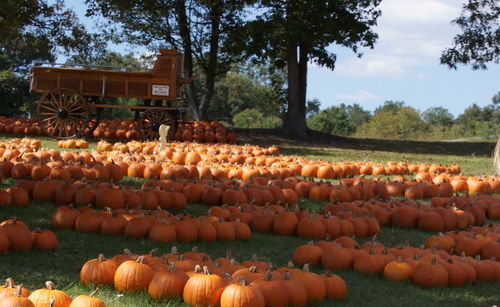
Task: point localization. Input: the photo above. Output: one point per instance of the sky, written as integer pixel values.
(403, 66)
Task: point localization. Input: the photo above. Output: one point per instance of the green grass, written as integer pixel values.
(33, 268)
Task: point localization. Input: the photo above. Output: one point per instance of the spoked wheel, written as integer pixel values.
(150, 123)
(62, 113)
(94, 117)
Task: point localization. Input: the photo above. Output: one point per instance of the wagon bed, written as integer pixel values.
(70, 96)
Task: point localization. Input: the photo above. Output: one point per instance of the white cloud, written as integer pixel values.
(359, 96)
(373, 65)
(419, 11)
(412, 34)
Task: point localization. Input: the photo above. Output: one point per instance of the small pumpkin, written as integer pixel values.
(87, 300)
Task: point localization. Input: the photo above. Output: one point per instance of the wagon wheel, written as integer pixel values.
(94, 116)
(62, 113)
(151, 120)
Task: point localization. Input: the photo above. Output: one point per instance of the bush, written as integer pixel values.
(252, 118)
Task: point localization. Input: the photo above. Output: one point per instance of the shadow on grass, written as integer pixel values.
(321, 139)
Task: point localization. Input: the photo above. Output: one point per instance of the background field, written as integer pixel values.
(62, 266)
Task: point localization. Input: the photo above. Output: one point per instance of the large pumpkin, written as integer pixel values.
(203, 289)
(42, 297)
(242, 295)
(133, 275)
(169, 284)
(99, 271)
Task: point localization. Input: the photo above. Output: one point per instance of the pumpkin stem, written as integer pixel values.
(173, 251)
(101, 257)
(153, 252)
(19, 288)
(269, 275)
(9, 283)
(128, 252)
(172, 268)
(229, 255)
(140, 259)
(94, 292)
(198, 269)
(242, 280)
(50, 285)
(252, 269)
(195, 249)
(206, 271)
(305, 268)
(287, 276)
(51, 302)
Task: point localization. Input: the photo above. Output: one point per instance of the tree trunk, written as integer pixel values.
(211, 68)
(295, 119)
(185, 32)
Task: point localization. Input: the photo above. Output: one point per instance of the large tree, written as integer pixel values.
(197, 27)
(293, 33)
(35, 31)
(479, 41)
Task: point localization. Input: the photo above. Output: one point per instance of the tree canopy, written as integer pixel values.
(197, 27)
(35, 31)
(293, 33)
(479, 41)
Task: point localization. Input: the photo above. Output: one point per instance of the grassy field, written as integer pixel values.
(33, 268)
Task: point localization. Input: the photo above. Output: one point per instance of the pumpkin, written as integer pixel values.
(242, 295)
(337, 258)
(64, 194)
(314, 284)
(109, 197)
(87, 300)
(272, 290)
(430, 274)
(203, 289)
(20, 237)
(4, 242)
(44, 239)
(335, 286)
(44, 190)
(295, 289)
(398, 270)
(99, 271)
(16, 300)
(20, 196)
(64, 217)
(42, 297)
(133, 275)
(89, 221)
(9, 288)
(112, 224)
(285, 223)
(308, 253)
(185, 231)
(168, 284)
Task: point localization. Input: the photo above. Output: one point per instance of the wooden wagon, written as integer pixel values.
(71, 98)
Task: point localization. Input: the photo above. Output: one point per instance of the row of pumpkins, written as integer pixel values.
(18, 296)
(16, 236)
(426, 266)
(201, 281)
(202, 131)
(158, 226)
